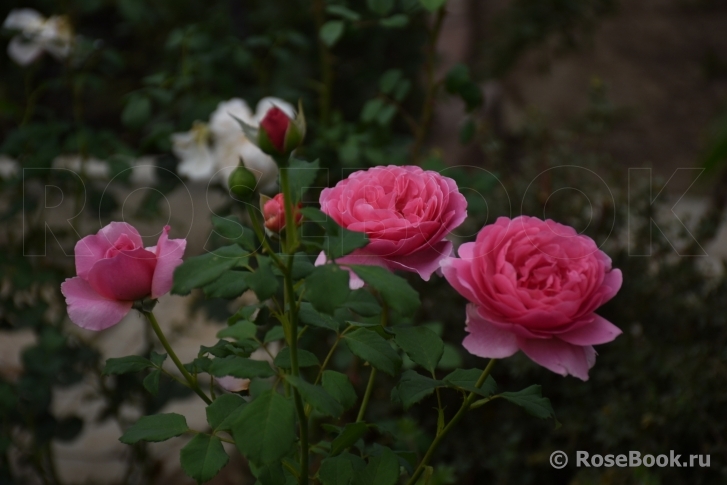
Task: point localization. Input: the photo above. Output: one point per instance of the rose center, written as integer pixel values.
(123, 243)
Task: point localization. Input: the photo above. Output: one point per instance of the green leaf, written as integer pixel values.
(339, 386)
(349, 435)
(340, 241)
(397, 21)
(371, 347)
(451, 358)
(275, 333)
(457, 78)
(343, 12)
(363, 303)
(380, 7)
(371, 109)
(302, 266)
(532, 400)
(413, 387)
(331, 31)
(421, 345)
(471, 94)
(327, 288)
(309, 316)
(467, 131)
(466, 379)
(224, 411)
(263, 281)
(432, 5)
(264, 432)
(274, 474)
(316, 396)
(381, 470)
(336, 471)
(240, 367)
(151, 382)
(158, 427)
(157, 359)
(230, 228)
(389, 79)
(402, 90)
(240, 331)
(203, 457)
(386, 114)
(201, 270)
(305, 359)
(229, 285)
(301, 174)
(395, 290)
(124, 365)
(136, 112)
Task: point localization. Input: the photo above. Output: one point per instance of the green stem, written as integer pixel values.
(372, 376)
(290, 223)
(455, 419)
(367, 395)
(165, 343)
(292, 309)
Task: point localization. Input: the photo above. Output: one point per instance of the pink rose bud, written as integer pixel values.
(274, 213)
(114, 270)
(534, 286)
(279, 134)
(406, 212)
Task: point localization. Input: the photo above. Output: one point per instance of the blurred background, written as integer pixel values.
(607, 115)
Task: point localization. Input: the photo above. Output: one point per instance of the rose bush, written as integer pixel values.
(406, 212)
(534, 286)
(114, 269)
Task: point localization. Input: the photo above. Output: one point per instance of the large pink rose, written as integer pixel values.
(534, 286)
(405, 211)
(114, 269)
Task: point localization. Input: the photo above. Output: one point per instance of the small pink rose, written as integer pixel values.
(114, 270)
(534, 286)
(406, 212)
(274, 213)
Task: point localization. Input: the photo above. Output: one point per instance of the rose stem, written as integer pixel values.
(455, 419)
(372, 376)
(165, 343)
(290, 303)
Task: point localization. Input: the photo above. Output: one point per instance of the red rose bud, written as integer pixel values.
(274, 213)
(279, 134)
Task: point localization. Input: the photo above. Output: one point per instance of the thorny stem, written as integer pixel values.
(455, 419)
(432, 87)
(165, 343)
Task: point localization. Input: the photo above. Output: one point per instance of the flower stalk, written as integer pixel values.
(191, 381)
(453, 422)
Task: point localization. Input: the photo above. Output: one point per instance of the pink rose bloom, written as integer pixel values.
(405, 211)
(534, 286)
(274, 213)
(114, 270)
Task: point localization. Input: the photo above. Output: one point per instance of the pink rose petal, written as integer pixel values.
(88, 309)
(560, 357)
(169, 254)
